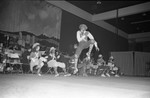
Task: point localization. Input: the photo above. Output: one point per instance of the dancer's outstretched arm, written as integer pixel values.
(92, 38)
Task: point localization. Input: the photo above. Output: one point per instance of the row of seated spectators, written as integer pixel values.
(86, 66)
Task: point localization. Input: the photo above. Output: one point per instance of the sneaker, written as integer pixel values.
(95, 73)
(56, 75)
(103, 75)
(85, 75)
(75, 71)
(107, 75)
(117, 76)
(67, 75)
(112, 72)
(39, 74)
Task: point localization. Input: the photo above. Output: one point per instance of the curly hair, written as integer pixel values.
(83, 26)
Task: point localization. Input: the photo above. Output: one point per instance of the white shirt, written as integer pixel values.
(81, 36)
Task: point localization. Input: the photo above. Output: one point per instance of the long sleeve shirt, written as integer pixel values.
(83, 36)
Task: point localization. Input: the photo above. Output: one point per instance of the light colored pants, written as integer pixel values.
(82, 45)
(36, 62)
(54, 63)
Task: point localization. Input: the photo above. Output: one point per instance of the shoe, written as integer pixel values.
(39, 74)
(85, 75)
(117, 76)
(67, 75)
(56, 75)
(103, 75)
(75, 71)
(112, 72)
(107, 75)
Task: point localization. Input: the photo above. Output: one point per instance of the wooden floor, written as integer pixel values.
(48, 86)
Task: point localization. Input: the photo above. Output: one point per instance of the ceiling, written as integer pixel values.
(132, 24)
(137, 23)
(95, 7)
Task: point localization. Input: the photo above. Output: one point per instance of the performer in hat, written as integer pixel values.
(102, 66)
(85, 40)
(53, 63)
(112, 67)
(35, 58)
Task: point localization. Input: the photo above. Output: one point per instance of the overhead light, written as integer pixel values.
(144, 14)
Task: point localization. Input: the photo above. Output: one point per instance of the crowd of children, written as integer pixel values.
(99, 68)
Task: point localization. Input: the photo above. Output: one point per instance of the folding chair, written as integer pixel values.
(49, 70)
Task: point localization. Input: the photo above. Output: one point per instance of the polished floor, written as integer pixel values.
(48, 86)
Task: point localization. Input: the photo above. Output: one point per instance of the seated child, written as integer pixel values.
(102, 66)
(113, 69)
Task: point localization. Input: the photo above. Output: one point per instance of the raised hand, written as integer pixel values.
(97, 48)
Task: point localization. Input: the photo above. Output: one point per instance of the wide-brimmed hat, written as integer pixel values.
(111, 57)
(35, 45)
(52, 48)
(83, 26)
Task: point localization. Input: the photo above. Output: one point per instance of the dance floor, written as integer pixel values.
(48, 86)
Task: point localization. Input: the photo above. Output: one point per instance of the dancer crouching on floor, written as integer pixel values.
(83, 43)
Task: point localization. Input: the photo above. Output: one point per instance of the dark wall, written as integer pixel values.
(107, 41)
(140, 46)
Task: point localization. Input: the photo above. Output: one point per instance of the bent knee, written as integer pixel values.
(92, 41)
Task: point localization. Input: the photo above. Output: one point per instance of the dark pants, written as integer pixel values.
(82, 68)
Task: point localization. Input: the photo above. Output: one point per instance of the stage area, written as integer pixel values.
(48, 86)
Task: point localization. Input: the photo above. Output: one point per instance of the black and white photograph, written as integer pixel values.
(74, 49)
